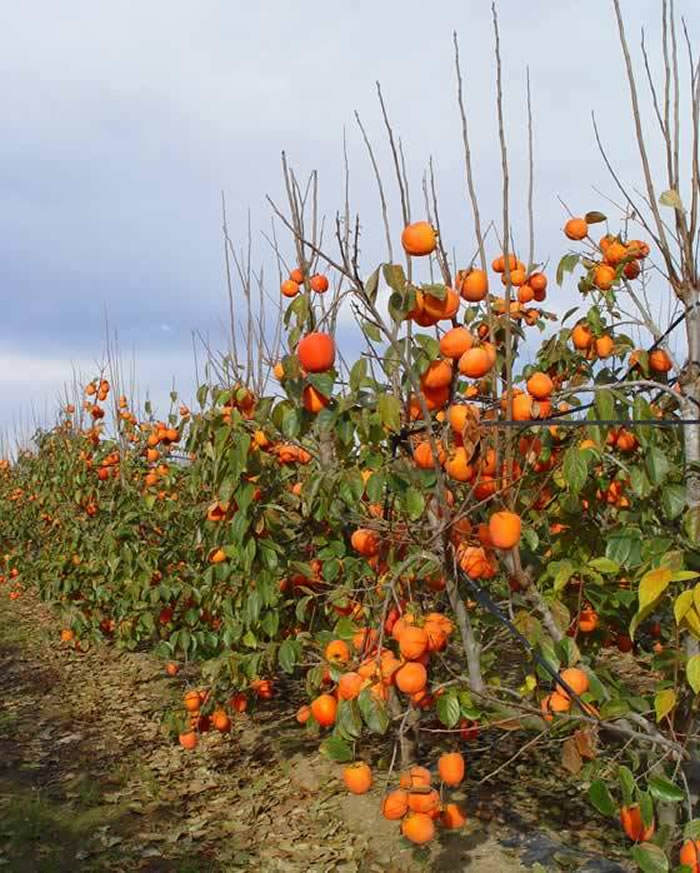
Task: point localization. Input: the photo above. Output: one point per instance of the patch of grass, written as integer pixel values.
(8, 723)
(41, 836)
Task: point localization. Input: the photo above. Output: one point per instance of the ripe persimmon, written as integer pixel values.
(221, 721)
(576, 679)
(395, 804)
(504, 529)
(188, 739)
(538, 282)
(319, 283)
(525, 294)
(581, 336)
(358, 777)
(423, 456)
(455, 343)
(475, 363)
(576, 228)
(540, 386)
(350, 685)
(337, 651)
(441, 309)
(414, 777)
(451, 768)
(316, 352)
(289, 288)
(631, 270)
(554, 703)
(604, 346)
(633, 826)
(413, 642)
(418, 828)
(411, 677)
(192, 701)
(457, 465)
(499, 263)
(419, 239)
(424, 801)
(324, 709)
(517, 277)
(453, 816)
(604, 277)
(690, 855)
(473, 286)
(303, 713)
(659, 361)
(588, 620)
(365, 541)
(438, 374)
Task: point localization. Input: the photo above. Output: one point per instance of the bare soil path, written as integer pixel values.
(90, 781)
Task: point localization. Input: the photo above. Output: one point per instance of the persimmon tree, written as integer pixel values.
(435, 531)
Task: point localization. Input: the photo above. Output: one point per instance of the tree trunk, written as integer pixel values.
(689, 382)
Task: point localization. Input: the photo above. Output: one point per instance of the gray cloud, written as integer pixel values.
(123, 121)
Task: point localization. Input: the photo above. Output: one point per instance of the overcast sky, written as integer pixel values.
(122, 122)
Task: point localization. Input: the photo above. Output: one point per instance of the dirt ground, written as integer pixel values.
(90, 781)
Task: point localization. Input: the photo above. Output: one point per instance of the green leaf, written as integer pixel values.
(373, 712)
(657, 465)
(414, 503)
(337, 749)
(646, 807)
(691, 524)
(566, 265)
(371, 331)
(650, 858)
(624, 547)
(448, 709)
(348, 722)
(358, 374)
(394, 277)
(287, 656)
(692, 829)
(389, 411)
(564, 571)
(664, 702)
(673, 500)
(605, 404)
(664, 790)
(371, 285)
(604, 565)
(692, 672)
(600, 798)
(291, 423)
(575, 468)
(375, 487)
(627, 784)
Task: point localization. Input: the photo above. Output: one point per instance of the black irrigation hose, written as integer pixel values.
(584, 422)
(485, 600)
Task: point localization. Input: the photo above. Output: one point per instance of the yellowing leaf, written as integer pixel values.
(652, 585)
(664, 702)
(692, 671)
(692, 619)
(683, 603)
(696, 597)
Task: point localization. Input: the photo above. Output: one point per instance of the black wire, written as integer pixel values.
(583, 422)
(485, 600)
